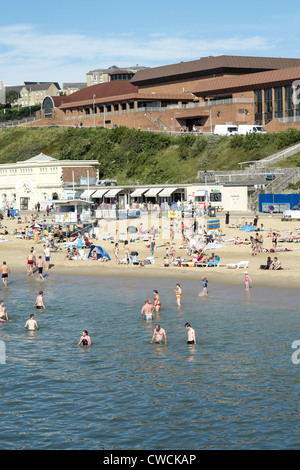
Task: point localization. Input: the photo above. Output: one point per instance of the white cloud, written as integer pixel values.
(25, 52)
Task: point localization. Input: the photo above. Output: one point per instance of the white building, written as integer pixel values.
(25, 183)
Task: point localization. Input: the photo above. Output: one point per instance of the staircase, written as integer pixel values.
(276, 157)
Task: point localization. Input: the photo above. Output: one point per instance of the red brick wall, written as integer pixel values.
(67, 173)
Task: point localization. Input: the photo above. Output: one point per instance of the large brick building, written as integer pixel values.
(197, 94)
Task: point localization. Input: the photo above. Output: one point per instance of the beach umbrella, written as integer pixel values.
(36, 225)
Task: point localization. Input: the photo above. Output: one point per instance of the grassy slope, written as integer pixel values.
(132, 156)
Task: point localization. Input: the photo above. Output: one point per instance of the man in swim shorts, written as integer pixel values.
(39, 302)
(5, 271)
(159, 334)
(191, 334)
(40, 266)
(47, 256)
(31, 324)
(30, 259)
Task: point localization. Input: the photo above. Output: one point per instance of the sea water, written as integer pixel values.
(237, 388)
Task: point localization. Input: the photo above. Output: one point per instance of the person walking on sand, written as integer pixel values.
(39, 302)
(47, 256)
(117, 253)
(247, 280)
(85, 339)
(178, 292)
(30, 259)
(191, 334)
(5, 271)
(31, 324)
(159, 334)
(40, 266)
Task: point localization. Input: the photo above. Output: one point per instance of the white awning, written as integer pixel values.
(138, 192)
(99, 193)
(167, 192)
(200, 193)
(87, 193)
(113, 192)
(152, 192)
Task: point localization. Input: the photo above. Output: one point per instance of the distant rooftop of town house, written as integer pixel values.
(79, 85)
(41, 157)
(211, 65)
(271, 78)
(114, 68)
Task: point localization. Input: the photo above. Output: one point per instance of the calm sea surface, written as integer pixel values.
(237, 388)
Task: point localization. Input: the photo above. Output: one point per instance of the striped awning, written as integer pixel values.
(138, 192)
(87, 193)
(167, 192)
(99, 193)
(152, 192)
(113, 192)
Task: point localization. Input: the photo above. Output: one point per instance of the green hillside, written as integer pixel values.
(133, 156)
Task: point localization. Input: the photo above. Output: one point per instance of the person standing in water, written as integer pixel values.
(40, 266)
(191, 334)
(39, 302)
(204, 285)
(5, 271)
(31, 324)
(3, 311)
(159, 334)
(178, 292)
(85, 339)
(247, 280)
(147, 309)
(157, 303)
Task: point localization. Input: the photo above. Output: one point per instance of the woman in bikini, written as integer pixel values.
(178, 292)
(157, 303)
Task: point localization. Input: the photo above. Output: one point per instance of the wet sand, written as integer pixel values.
(15, 250)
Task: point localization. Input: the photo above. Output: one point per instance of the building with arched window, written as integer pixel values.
(25, 183)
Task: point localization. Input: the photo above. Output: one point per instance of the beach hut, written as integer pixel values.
(100, 252)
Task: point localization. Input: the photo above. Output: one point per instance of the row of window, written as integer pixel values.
(24, 171)
(269, 104)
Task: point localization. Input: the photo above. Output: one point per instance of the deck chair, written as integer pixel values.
(240, 264)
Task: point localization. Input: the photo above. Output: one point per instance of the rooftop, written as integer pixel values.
(211, 65)
(246, 82)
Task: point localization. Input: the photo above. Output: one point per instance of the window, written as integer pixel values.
(268, 102)
(258, 106)
(215, 197)
(289, 105)
(278, 103)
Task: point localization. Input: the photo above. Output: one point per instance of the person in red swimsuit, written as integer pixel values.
(157, 303)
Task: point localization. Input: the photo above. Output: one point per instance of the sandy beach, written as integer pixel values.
(14, 251)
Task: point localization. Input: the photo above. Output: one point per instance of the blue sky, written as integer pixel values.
(62, 40)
